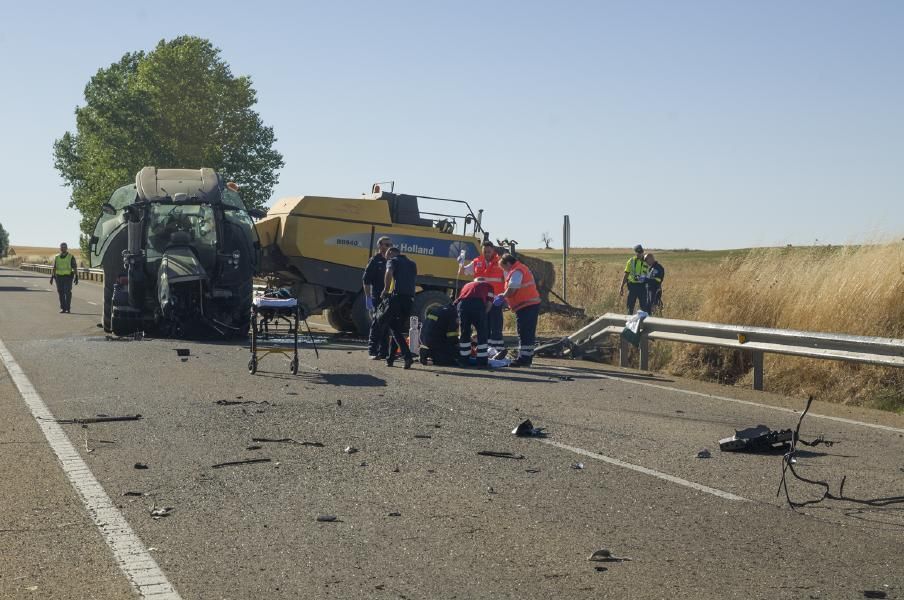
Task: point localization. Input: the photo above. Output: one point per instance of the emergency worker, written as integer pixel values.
(474, 302)
(653, 282)
(401, 280)
(65, 273)
(373, 281)
(523, 299)
(635, 269)
(439, 335)
(486, 268)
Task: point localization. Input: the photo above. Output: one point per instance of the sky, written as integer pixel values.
(693, 124)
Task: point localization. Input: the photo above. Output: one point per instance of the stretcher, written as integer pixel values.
(274, 320)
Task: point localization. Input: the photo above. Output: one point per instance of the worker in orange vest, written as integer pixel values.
(523, 299)
(486, 268)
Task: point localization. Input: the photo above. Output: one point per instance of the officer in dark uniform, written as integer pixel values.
(474, 302)
(374, 275)
(653, 280)
(399, 286)
(438, 336)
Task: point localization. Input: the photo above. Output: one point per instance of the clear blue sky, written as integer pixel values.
(676, 124)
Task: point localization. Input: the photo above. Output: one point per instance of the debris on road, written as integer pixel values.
(422, 436)
(134, 494)
(395, 514)
(500, 454)
(350, 450)
(236, 402)
(249, 461)
(141, 466)
(327, 518)
(601, 569)
(578, 466)
(287, 441)
(98, 419)
(253, 447)
(527, 429)
(705, 453)
(183, 352)
(490, 490)
(756, 439)
(605, 555)
(163, 511)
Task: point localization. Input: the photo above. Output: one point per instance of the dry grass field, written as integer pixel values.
(843, 289)
(38, 254)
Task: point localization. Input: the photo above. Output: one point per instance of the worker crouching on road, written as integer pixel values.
(399, 286)
(635, 269)
(439, 336)
(474, 302)
(522, 297)
(65, 274)
(373, 280)
(486, 268)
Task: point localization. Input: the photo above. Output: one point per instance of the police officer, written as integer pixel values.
(474, 302)
(486, 268)
(439, 336)
(653, 281)
(522, 297)
(634, 270)
(373, 280)
(65, 273)
(399, 286)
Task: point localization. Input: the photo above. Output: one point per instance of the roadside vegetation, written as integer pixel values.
(841, 289)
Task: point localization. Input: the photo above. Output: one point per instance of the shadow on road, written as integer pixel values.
(17, 288)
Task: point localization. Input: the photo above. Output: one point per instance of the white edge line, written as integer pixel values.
(727, 399)
(139, 567)
(665, 476)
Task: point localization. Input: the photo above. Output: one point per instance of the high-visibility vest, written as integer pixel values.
(63, 264)
(491, 272)
(635, 268)
(527, 294)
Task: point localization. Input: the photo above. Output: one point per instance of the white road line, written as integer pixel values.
(664, 476)
(727, 399)
(133, 558)
(92, 303)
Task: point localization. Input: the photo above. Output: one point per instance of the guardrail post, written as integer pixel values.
(644, 348)
(757, 370)
(624, 350)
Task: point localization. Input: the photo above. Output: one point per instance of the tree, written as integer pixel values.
(4, 241)
(177, 106)
(547, 241)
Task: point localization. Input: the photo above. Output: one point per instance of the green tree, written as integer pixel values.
(4, 241)
(177, 106)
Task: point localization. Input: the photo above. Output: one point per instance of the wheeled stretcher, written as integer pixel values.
(274, 320)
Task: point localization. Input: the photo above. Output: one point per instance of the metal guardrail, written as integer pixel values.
(757, 341)
(83, 273)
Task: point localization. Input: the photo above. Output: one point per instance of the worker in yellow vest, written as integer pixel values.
(635, 275)
(65, 274)
(523, 299)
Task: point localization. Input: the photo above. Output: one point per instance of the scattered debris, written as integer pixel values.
(350, 450)
(756, 439)
(527, 429)
(500, 454)
(141, 466)
(874, 594)
(705, 453)
(183, 352)
(253, 447)
(605, 555)
(363, 463)
(601, 569)
(396, 470)
(338, 401)
(395, 514)
(163, 511)
(531, 470)
(422, 436)
(236, 402)
(490, 490)
(287, 441)
(98, 419)
(327, 518)
(578, 466)
(134, 494)
(249, 461)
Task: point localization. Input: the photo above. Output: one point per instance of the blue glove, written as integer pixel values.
(499, 301)
(369, 303)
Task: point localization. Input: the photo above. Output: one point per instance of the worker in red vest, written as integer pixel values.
(474, 302)
(523, 299)
(486, 268)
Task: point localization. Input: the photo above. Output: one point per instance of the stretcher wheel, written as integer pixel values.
(295, 366)
(252, 365)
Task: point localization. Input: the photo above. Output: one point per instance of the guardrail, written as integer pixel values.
(83, 273)
(757, 341)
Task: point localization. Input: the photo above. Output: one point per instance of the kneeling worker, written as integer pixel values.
(438, 336)
(474, 302)
(523, 298)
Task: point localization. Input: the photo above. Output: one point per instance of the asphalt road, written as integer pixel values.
(420, 514)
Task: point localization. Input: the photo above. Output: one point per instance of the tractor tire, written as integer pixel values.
(350, 317)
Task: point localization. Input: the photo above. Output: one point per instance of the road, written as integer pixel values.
(420, 514)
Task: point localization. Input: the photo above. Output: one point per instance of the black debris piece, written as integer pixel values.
(249, 461)
(527, 429)
(141, 466)
(327, 518)
(395, 514)
(133, 493)
(501, 454)
(756, 439)
(253, 447)
(237, 402)
(98, 419)
(183, 352)
(421, 436)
